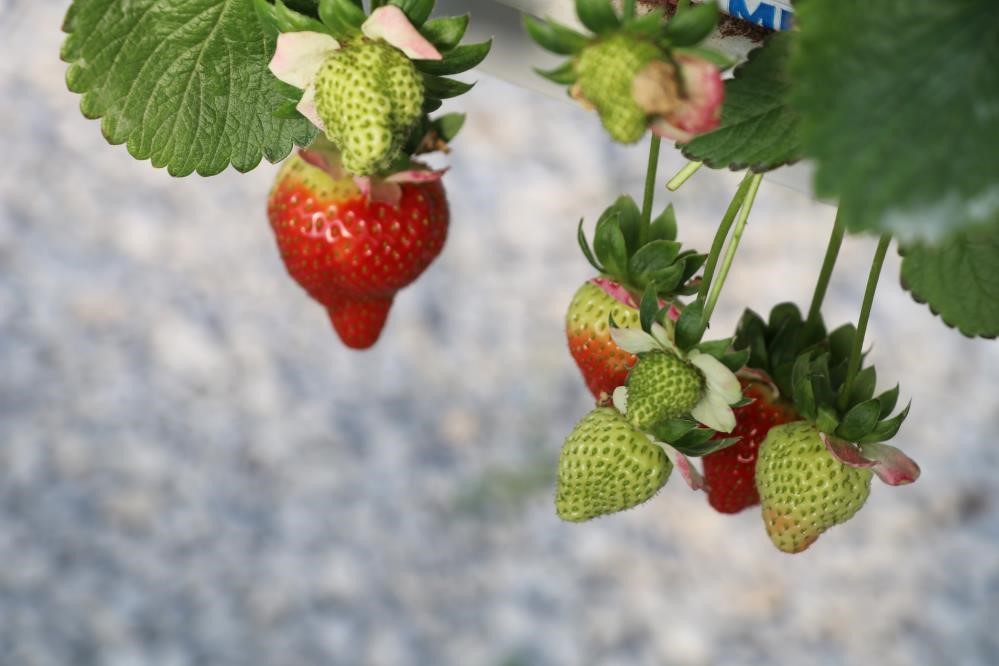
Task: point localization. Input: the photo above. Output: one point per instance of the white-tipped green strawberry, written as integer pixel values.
(368, 81)
(803, 489)
(606, 465)
(668, 383)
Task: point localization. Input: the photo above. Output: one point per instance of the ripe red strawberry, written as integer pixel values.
(604, 365)
(350, 253)
(730, 474)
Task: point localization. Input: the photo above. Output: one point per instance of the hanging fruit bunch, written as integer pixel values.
(782, 414)
(356, 216)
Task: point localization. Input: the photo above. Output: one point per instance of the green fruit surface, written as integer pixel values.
(606, 74)
(804, 490)
(370, 97)
(607, 466)
(662, 387)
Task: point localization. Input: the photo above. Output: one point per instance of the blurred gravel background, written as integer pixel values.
(194, 471)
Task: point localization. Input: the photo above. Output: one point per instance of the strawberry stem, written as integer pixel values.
(865, 314)
(628, 10)
(721, 235)
(832, 253)
(683, 175)
(650, 184)
(733, 246)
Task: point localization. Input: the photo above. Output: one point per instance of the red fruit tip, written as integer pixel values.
(359, 323)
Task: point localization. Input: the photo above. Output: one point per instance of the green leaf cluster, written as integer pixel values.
(641, 255)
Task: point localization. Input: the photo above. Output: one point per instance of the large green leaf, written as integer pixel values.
(900, 109)
(183, 83)
(959, 280)
(758, 129)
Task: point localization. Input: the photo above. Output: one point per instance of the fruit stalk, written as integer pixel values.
(832, 253)
(683, 175)
(650, 183)
(628, 10)
(865, 315)
(733, 247)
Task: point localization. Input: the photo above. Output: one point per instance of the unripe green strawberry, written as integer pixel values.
(803, 489)
(369, 96)
(607, 71)
(661, 387)
(607, 466)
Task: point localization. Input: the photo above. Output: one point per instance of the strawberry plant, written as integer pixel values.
(898, 113)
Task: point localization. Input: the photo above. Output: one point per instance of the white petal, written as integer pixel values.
(391, 24)
(714, 412)
(620, 399)
(633, 340)
(307, 107)
(721, 380)
(299, 55)
(664, 336)
(684, 466)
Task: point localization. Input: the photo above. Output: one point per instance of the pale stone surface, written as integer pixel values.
(194, 471)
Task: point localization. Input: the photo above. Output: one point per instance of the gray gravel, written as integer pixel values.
(194, 471)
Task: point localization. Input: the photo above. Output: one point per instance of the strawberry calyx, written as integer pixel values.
(809, 368)
(369, 82)
(639, 72)
(634, 254)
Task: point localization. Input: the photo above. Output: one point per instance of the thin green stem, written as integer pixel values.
(733, 247)
(822, 286)
(719, 243)
(683, 175)
(628, 11)
(865, 314)
(650, 181)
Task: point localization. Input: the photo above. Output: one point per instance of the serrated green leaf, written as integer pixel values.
(597, 15)
(959, 280)
(692, 25)
(184, 85)
(758, 129)
(664, 227)
(888, 400)
(610, 248)
(445, 33)
(554, 37)
(859, 421)
(457, 60)
(438, 87)
(688, 326)
(900, 110)
(886, 429)
(418, 11)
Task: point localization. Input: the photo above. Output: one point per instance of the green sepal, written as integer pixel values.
(716, 58)
(555, 37)
(716, 348)
(664, 227)
(888, 400)
(438, 87)
(563, 75)
(827, 420)
(338, 24)
(886, 429)
(672, 430)
(445, 33)
(431, 104)
(688, 326)
(647, 26)
(691, 26)
(585, 247)
(696, 442)
(610, 247)
(859, 421)
(597, 15)
(630, 221)
(710, 446)
(648, 308)
(448, 126)
(735, 361)
(863, 385)
(692, 262)
(655, 262)
(457, 60)
(288, 20)
(417, 11)
(801, 387)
